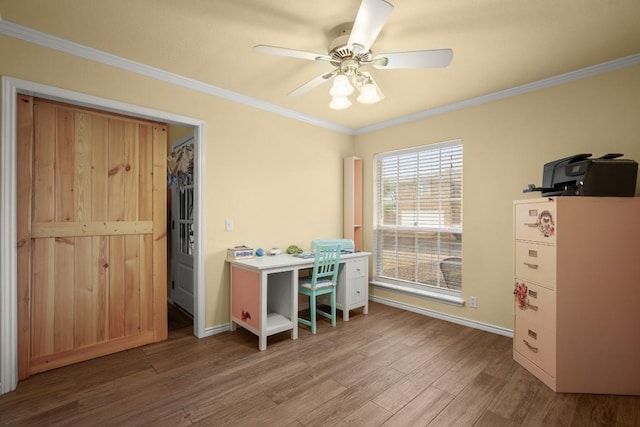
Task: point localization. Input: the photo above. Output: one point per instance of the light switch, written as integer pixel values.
(228, 225)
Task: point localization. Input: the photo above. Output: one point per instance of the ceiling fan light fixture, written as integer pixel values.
(340, 103)
(368, 94)
(341, 87)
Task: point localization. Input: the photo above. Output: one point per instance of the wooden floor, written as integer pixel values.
(387, 368)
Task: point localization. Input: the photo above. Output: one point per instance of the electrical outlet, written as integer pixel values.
(473, 302)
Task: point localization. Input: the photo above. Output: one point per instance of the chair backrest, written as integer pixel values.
(326, 263)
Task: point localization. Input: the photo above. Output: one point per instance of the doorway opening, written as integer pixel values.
(181, 226)
(11, 87)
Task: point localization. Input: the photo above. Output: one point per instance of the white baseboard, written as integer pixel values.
(215, 330)
(443, 316)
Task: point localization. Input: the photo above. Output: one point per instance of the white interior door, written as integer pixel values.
(182, 240)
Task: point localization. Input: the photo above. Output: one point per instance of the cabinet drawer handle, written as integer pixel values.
(532, 348)
(533, 294)
(531, 224)
(532, 307)
(533, 266)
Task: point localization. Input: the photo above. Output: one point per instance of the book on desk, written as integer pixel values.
(305, 255)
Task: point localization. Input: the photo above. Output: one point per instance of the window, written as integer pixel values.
(418, 218)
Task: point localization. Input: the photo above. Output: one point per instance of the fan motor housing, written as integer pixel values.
(340, 51)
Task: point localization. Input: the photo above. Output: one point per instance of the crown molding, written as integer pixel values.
(593, 70)
(56, 43)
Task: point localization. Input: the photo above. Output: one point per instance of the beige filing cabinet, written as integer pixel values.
(577, 292)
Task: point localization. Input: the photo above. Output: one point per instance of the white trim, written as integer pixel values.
(56, 43)
(443, 316)
(8, 239)
(214, 330)
(416, 149)
(46, 40)
(422, 293)
(593, 70)
(199, 312)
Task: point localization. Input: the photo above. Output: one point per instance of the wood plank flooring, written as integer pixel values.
(388, 368)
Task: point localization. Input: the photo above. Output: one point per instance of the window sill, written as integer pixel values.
(430, 295)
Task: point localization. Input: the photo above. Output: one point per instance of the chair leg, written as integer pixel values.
(333, 308)
(312, 308)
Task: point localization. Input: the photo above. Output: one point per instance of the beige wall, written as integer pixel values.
(505, 145)
(278, 179)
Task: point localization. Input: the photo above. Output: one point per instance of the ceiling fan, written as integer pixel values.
(350, 52)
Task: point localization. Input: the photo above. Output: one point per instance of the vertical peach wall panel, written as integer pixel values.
(246, 296)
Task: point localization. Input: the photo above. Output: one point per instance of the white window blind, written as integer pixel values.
(418, 217)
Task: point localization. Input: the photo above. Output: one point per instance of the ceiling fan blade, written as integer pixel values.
(436, 58)
(292, 53)
(311, 84)
(372, 16)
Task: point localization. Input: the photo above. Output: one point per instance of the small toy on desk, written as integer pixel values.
(293, 249)
(259, 252)
(274, 251)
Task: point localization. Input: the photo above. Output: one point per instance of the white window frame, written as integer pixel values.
(423, 222)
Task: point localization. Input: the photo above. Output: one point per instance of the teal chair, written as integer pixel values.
(323, 280)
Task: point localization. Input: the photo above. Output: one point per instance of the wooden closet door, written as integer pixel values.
(92, 234)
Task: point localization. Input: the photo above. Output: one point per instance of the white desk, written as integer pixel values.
(264, 292)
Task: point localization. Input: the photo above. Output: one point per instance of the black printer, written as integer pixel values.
(581, 175)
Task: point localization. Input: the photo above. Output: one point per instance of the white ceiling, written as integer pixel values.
(497, 44)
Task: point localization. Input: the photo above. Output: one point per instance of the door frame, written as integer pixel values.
(182, 141)
(11, 87)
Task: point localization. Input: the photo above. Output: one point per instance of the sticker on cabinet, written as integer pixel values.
(546, 224)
